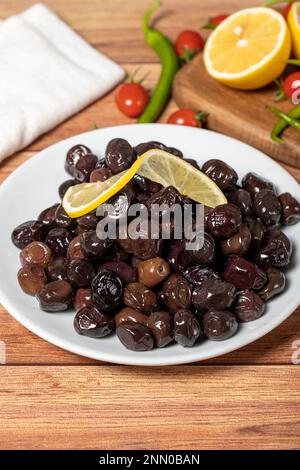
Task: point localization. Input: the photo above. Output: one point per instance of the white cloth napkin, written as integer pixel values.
(47, 73)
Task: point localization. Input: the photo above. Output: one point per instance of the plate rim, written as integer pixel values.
(117, 358)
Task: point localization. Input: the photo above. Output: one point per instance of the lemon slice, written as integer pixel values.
(158, 166)
(86, 197)
(249, 49)
(164, 168)
(293, 21)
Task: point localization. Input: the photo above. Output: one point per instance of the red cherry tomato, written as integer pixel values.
(187, 117)
(291, 84)
(218, 19)
(131, 99)
(286, 10)
(188, 43)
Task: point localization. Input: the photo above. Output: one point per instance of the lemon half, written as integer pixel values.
(293, 21)
(158, 166)
(249, 49)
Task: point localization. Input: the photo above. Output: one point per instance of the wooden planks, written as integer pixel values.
(134, 408)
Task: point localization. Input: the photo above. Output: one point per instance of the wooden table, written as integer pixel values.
(50, 398)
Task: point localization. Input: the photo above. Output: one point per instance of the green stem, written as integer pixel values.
(287, 118)
(293, 62)
(270, 3)
(146, 20)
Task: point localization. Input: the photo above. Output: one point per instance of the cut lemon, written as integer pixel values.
(158, 166)
(249, 49)
(164, 168)
(293, 21)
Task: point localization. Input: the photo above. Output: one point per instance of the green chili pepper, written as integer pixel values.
(293, 62)
(289, 119)
(169, 62)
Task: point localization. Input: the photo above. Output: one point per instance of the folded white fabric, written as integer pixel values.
(47, 73)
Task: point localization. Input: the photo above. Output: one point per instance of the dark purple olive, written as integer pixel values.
(187, 329)
(254, 183)
(224, 220)
(221, 173)
(107, 290)
(145, 146)
(83, 298)
(62, 219)
(101, 163)
(219, 325)
(197, 274)
(57, 270)
(275, 285)
(36, 253)
(63, 188)
(161, 325)
(90, 321)
(100, 174)
(177, 293)
(167, 196)
(205, 255)
(56, 296)
(192, 162)
(257, 231)
(276, 251)
(140, 297)
(119, 155)
(248, 306)
(32, 278)
(74, 250)
(28, 232)
(244, 275)
(73, 156)
(84, 167)
(175, 152)
(94, 247)
(178, 257)
(88, 222)
(47, 216)
(135, 336)
(239, 243)
(142, 248)
(125, 272)
(139, 183)
(58, 239)
(130, 315)
(267, 207)
(80, 273)
(213, 294)
(243, 200)
(119, 204)
(290, 209)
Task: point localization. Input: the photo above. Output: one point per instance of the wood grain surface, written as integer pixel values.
(50, 398)
(237, 113)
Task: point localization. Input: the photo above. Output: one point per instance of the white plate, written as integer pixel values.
(33, 186)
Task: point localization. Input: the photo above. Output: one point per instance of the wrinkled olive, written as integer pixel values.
(63, 188)
(94, 247)
(243, 200)
(135, 336)
(205, 255)
(47, 216)
(74, 249)
(80, 273)
(100, 174)
(58, 239)
(84, 167)
(290, 209)
(276, 250)
(119, 155)
(56, 296)
(107, 290)
(197, 274)
(248, 306)
(83, 298)
(36, 253)
(213, 294)
(28, 232)
(32, 278)
(275, 284)
(224, 220)
(140, 297)
(161, 325)
(177, 293)
(73, 155)
(219, 325)
(90, 321)
(244, 275)
(131, 315)
(187, 329)
(268, 207)
(221, 173)
(238, 243)
(254, 183)
(57, 269)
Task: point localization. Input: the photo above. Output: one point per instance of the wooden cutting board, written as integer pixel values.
(239, 114)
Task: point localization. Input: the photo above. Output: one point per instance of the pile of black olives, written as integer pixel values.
(155, 292)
